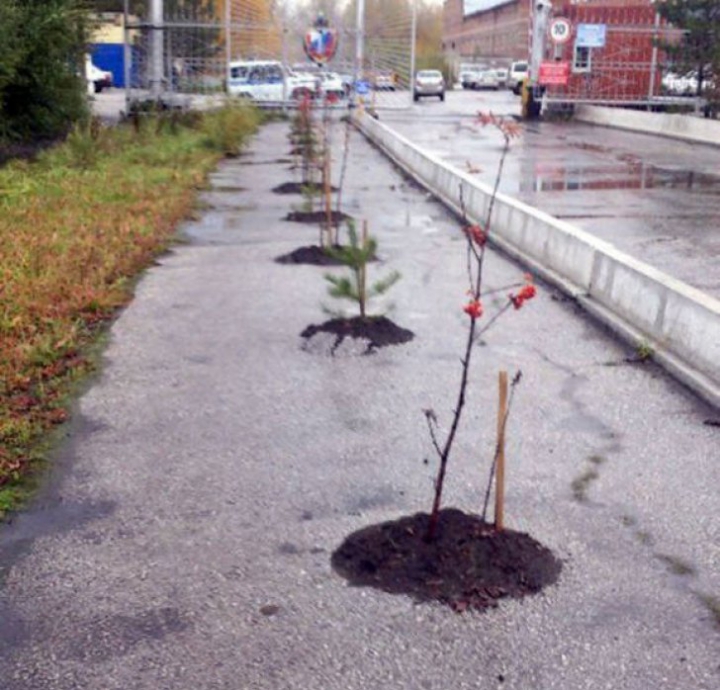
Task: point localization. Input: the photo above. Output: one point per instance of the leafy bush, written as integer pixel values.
(227, 130)
(42, 88)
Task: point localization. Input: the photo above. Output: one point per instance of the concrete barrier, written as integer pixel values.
(674, 125)
(680, 323)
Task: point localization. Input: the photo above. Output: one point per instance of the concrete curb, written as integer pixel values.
(641, 304)
(673, 125)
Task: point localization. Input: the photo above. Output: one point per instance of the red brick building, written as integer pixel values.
(500, 32)
(625, 69)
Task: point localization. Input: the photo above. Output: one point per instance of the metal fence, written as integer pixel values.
(176, 48)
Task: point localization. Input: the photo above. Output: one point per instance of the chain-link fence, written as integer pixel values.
(387, 54)
(181, 48)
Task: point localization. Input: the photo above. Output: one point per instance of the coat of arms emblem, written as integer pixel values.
(321, 42)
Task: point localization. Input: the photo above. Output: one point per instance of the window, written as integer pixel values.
(582, 59)
(274, 74)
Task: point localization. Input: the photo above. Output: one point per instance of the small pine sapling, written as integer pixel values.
(355, 256)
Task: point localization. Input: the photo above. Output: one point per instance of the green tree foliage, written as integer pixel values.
(356, 256)
(699, 48)
(42, 88)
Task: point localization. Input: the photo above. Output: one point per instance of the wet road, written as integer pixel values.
(655, 198)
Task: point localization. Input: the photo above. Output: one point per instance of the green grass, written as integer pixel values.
(77, 227)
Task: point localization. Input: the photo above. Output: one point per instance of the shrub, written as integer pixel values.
(42, 88)
(227, 130)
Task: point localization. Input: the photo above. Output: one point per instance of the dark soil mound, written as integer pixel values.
(316, 217)
(469, 565)
(378, 331)
(301, 188)
(312, 254)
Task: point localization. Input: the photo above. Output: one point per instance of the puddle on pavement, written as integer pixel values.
(630, 175)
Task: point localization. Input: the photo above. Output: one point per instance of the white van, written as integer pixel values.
(267, 81)
(518, 72)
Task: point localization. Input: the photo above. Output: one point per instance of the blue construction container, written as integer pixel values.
(111, 58)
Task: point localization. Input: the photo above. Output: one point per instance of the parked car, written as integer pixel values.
(468, 78)
(486, 79)
(685, 84)
(383, 81)
(97, 79)
(268, 81)
(503, 75)
(518, 73)
(429, 82)
(331, 84)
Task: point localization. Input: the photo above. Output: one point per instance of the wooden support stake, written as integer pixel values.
(328, 200)
(500, 468)
(363, 271)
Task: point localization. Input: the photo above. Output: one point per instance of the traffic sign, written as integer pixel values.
(591, 35)
(560, 30)
(554, 73)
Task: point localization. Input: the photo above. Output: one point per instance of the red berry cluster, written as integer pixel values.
(474, 309)
(526, 292)
(476, 234)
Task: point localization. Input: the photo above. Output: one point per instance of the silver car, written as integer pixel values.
(429, 82)
(487, 79)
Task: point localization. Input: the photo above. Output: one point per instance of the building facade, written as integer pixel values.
(595, 51)
(498, 34)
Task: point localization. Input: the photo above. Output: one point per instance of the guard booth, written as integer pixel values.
(603, 52)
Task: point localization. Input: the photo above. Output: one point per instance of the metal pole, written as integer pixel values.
(359, 39)
(653, 62)
(228, 46)
(284, 64)
(541, 10)
(413, 39)
(127, 55)
(156, 48)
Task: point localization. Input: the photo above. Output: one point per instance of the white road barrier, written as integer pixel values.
(674, 125)
(645, 306)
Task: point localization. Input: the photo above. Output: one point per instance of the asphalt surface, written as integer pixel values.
(184, 538)
(658, 199)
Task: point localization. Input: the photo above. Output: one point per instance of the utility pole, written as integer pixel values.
(228, 45)
(532, 91)
(359, 39)
(156, 48)
(127, 54)
(541, 11)
(413, 39)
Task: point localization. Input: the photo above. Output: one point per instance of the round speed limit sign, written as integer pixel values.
(560, 30)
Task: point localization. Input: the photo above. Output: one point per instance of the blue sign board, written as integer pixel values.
(591, 35)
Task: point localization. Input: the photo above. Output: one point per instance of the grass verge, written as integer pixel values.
(77, 226)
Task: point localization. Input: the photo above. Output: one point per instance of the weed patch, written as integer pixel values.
(77, 225)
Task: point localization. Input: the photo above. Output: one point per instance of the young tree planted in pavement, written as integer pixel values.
(355, 256)
(476, 242)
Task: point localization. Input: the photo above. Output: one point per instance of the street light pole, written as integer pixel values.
(359, 39)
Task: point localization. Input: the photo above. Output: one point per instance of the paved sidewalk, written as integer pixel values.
(184, 541)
